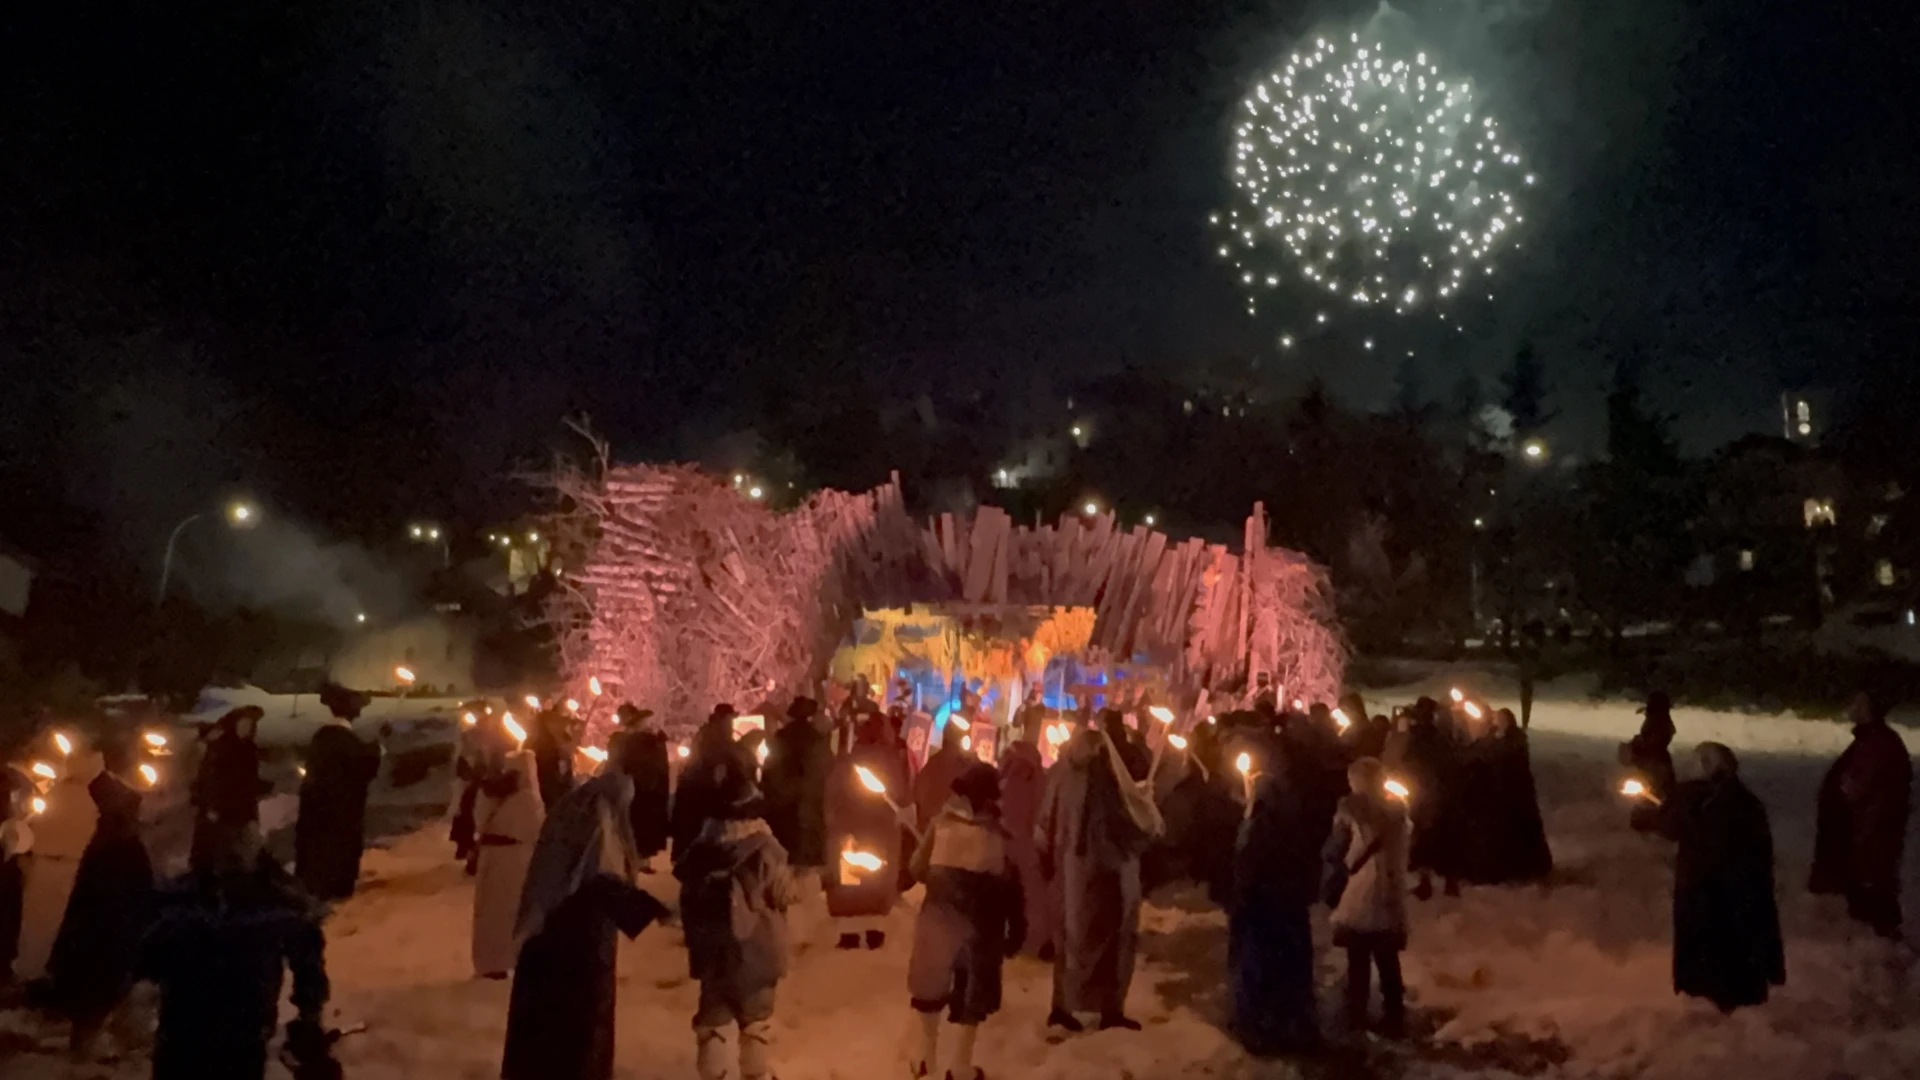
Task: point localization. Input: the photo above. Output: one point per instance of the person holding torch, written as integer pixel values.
(1367, 887)
(508, 814)
(864, 821)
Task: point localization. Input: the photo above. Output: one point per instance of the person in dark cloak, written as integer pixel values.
(1270, 959)
(641, 753)
(1650, 755)
(553, 747)
(1316, 759)
(227, 789)
(695, 801)
(1726, 924)
(93, 960)
(861, 820)
(329, 837)
(1862, 821)
(16, 837)
(220, 940)
(1023, 784)
(1423, 757)
(799, 757)
(1368, 736)
(1217, 809)
(578, 898)
(1085, 843)
(1132, 750)
(1505, 840)
(972, 919)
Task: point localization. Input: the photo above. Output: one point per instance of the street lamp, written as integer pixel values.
(1535, 450)
(239, 513)
(426, 532)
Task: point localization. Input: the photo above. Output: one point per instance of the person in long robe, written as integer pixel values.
(578, 898)
(799, 759)
(508, 815)
(60, 838)
(1217, 808)
(1726, 922)
(736, 888)
(91, 968)
(641, 753)
(221, 941)
(1081, 841)
(227, 789)
(971, 920)
(554, 748)
(860, 820)
(329, 837)
(16, 840)
(695, 801)
(1861, 831)
(1650, 754)
(1424, 756)
(934, 786)
(1505, 840)
(1369, 849)
(1023, 784)
(1270, 958)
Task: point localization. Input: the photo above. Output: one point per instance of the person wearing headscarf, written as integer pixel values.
(971, 920)
(221, 941)
(860, 820)
(227, 789)
(507, 815)
(1861, 831)
(1368, 850)
(329, 837)
(799, 759)
(694, 799)
(1726, 922)
(579, 897)
(91, 967)
(1088, 843)
(60, 838)
(735, 889)
(1269, 923)
(1649, 754)
(1503, 839)
(641, 753)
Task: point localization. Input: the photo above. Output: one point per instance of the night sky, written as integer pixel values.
(363, 259)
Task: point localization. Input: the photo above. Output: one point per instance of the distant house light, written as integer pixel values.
(1746, 558)
(1883, 574)
(1875, 524)
(1818, 512)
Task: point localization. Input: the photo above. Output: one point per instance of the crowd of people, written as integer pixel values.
(1040, 836)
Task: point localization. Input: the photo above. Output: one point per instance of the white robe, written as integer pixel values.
(60, 837)
(503, 867)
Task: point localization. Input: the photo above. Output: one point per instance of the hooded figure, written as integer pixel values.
(227, 789)
(861, 820)
(217, 949)
(579, 895)
(329, 837)
(1648, 754)
(93, 957)
(642, 755)
(507, 815)
(1269, 923)
(60, 838)
(1023, 784)
(1084, 841)
(735, 889)
(1862, 817)
(1726, 926)
(1368, 849)
(1424, 755)
(799, 757)
(1505, 840)
(971, 920)
(695, 801)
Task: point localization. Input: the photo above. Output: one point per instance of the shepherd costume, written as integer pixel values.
(1084, 838)
(1726, 925)
(1269, 925)
(507, 820)
(579, 895)
(60, 839)
(16, 839)
(1862, 825)
(329, 837)
(94, 956)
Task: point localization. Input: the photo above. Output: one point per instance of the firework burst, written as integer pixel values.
(1368, 180)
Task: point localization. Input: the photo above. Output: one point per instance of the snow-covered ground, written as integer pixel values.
(1566, 980)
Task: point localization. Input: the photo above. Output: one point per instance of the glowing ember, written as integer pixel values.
(864, 860)
(150, 774)
(594, 753)
(65, 744)
(1397, 789)
(1162, 714)
(593, 685)
(513, 728)
(42, 769)
(869, 781)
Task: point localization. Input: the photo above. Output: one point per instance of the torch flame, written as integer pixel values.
(41, 768)
(1340, 717)
(39, 805)
(469, 719)
(869, 781)
(864, 860)
(760, 753)
(405, 675)
(1161, 713)
(1298, 705)
(966, 742)
(155, 739)
(65, 744)
(684, 751)
(1178, 742)
(1398, 790)
(594, 753)
(1244, 763)
(1634, 788)
(513, 728)
(150, 774)
(1456, 695)
(959, 721)
(593, 685)
(533, 702)
(1472, 709)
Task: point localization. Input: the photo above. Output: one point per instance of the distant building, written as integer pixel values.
(1804, 416)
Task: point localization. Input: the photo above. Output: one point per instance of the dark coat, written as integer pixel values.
(1269, 929)
(108, 912)
(1862, 825)
(560, 1014)
(1503, 839)
(226, 792)
(216, 951)
(552, 761)
(858, 817)
(735, 892)
(1429, 765)
(330, 834)
(973, 917)
(795, 782)
(698, 799)
(1648, 754)
(642, 755)
(1726, 926)
(1023, 783)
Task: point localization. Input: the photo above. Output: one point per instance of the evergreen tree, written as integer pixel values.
(1525, 392)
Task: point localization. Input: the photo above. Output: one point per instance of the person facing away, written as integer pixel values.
(641, 753)
(859, 820)
(799, 758)
(227, 789)
(1023, 783)
(578, 898)
(1369, 849)
(1085, 841)
(220, 941)
(61, 835)
(1650, 755)
(934, 786)
(16, 840)
(508, 815)
(553, 746)
(1504, 839)
(694, 799)
(1270, 959)
(1726, 923)
(91, 968)
(971, 920)
(736, 888)
(1424, 755)
(1862, 821)
(329, 837)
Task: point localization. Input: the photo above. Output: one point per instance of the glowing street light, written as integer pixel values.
(756, 492)
(239, 514)
(361, 618)
(1148, 520)
(242, 514)
(1091, 508)
(1535, 450)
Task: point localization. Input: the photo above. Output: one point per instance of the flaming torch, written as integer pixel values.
(65, 744)
(1634, 789)
(1398, 790)
(150, 774)
(514, 729)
